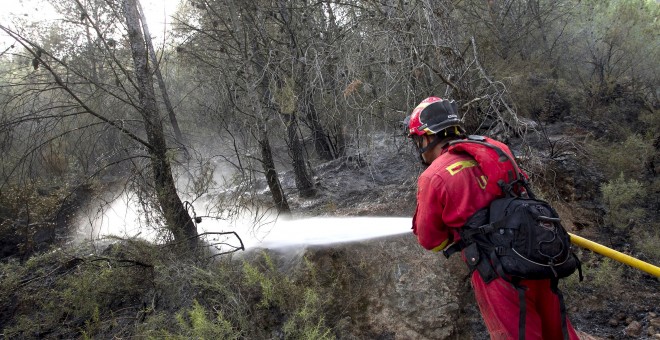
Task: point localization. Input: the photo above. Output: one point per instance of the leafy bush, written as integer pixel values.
(134, 289)
(606, 275)
(300, 301)
(648, 245)
(542, 98)
(307, 322)
(67, 295)
(194, 324)
(630, 157)
(254, 277)
(37, 215)
(622, 197)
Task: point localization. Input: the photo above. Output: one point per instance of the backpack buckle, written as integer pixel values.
(486, 228)
(500, 250)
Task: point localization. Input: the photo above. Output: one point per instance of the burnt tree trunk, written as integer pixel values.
(271, 175)
(267, 110)
(177, 218)
(322, 144)
(303, 179)
(296, 149)
(161, 83)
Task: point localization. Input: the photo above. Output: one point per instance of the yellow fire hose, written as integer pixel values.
(615, 255)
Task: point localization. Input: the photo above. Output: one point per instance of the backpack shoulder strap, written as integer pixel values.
(515, 176)
(562, 306)
(502, 156)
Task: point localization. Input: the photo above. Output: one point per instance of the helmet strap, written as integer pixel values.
(431, 145)
(436, 140)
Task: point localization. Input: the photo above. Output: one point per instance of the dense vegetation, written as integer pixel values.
(242, 91)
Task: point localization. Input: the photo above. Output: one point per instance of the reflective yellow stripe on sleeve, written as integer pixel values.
(442, 246)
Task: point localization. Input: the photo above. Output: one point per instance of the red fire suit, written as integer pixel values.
(451, 190)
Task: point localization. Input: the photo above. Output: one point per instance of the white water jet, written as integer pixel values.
(125, 219)
(327, 230)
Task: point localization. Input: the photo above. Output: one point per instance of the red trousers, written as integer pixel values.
(500, 308)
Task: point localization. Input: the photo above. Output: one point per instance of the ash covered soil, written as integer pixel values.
(381, 181)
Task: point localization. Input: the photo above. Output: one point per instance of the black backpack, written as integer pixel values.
(517, 237)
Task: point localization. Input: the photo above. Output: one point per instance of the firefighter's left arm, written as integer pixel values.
(431, 231)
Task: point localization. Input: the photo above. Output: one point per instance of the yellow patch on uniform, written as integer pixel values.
(483, 181)
(460, 165)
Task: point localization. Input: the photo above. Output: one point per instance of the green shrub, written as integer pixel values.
(622, 197)
(299, 301)
(133, 289)
(195, 324)
(648, 245)
(630, 157)
(74, 293)
(255, 277)
(307, 322)
(29, 215)
(606, 276)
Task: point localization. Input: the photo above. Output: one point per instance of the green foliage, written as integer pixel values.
(305, 322)
(537, 96)
(91, 325)
(197, 325)
(76, 295)
(73, 295)
(614, 39)
(36, 202)
(254, 277)
(630, 158)
(135, 289)
(607, 275)
(619, 39)
(300, 301)
(651, 118)
(31, 216)
(10, 278)
(623, 198)
(285, 96)
(648, 243)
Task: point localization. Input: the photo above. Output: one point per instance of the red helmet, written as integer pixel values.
(433, 115)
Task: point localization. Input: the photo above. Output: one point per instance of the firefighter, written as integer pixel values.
(451, 189)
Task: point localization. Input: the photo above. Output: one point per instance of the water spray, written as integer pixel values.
(615, 255)
(307, 231)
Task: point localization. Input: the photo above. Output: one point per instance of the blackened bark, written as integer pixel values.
(265, 95)
(322, 145)
(296, 149)
(304, 182)
(271, 175)
(161, 83)
(177, 218)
